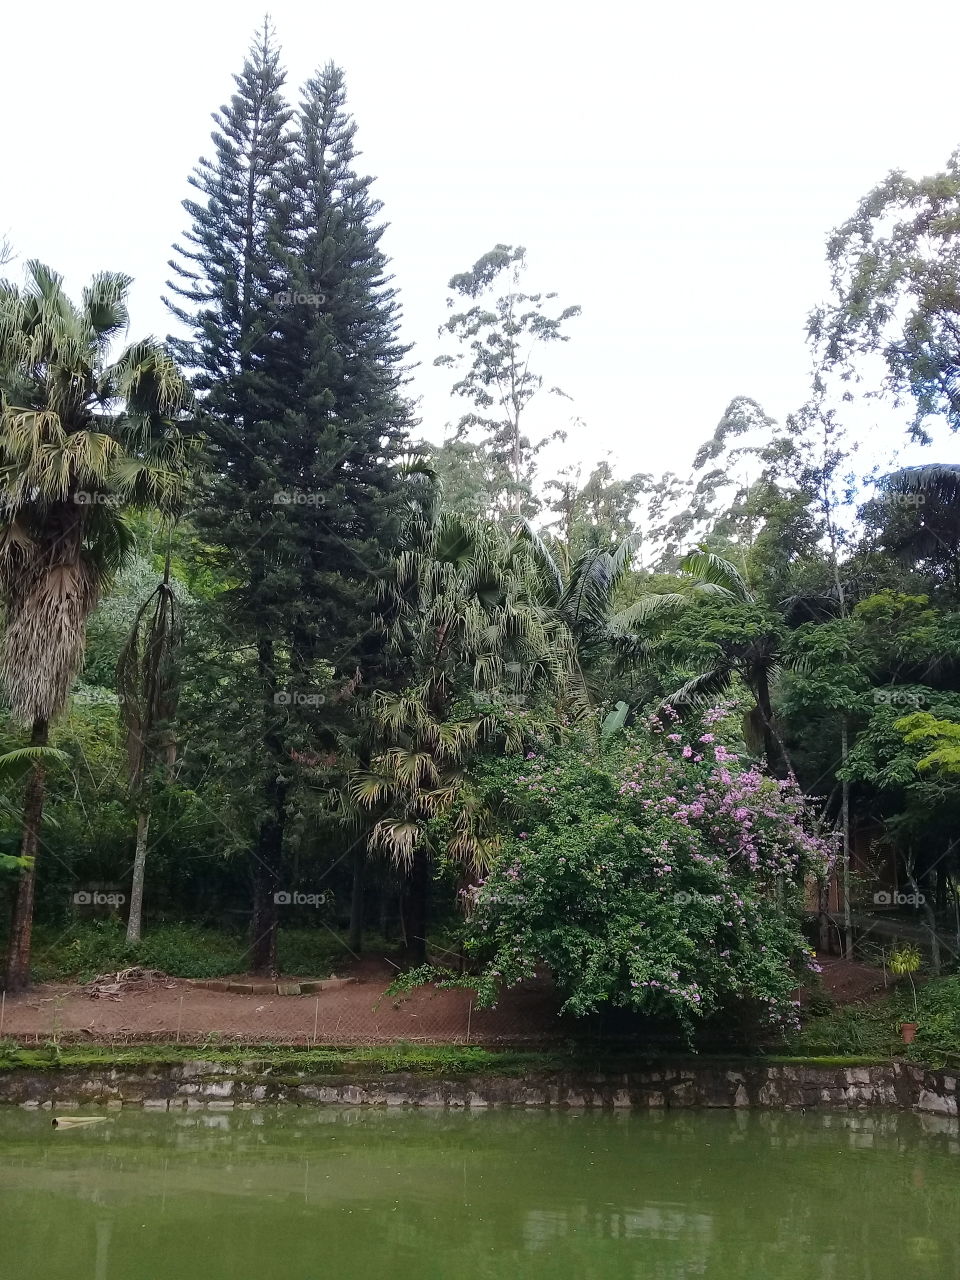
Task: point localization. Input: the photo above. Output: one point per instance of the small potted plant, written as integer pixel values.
(906, 960)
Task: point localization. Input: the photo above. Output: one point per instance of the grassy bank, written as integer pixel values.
(873, 1027)
(85, 949)
(448, 1060)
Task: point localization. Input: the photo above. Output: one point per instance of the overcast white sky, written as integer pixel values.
(673, 169)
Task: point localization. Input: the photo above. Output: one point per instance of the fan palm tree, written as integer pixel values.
(83, 438)
(462, 609)
(927, 529)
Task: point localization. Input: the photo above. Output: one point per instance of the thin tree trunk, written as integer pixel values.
(929, 916)
(268, 853)
(266, 885)
(845, 812)
(385, 891)
(774, 764)
(135, 917)
(21, 931)
(823, 908)
(355, 939)
(417, 913)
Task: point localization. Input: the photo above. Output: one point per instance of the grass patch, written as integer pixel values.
(872, 1028)
(440, 1060)
(422, 1059)
(91, 947)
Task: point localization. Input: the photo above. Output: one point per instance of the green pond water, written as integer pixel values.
(298, 1194)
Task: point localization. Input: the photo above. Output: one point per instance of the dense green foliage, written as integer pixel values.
(612, 727)
(664, 877)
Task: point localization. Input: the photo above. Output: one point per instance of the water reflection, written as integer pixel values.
(303, 1193)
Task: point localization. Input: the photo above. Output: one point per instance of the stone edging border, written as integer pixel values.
(222, 1086)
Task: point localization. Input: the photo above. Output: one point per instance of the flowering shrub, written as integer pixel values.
(665, 876)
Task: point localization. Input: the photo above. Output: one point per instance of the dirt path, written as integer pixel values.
(848, 980)
(356, 1013)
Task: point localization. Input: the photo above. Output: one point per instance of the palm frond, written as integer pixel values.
(398, 838)
(701, 688)
(939, 478)
(652, 608)
(707, 567)
(543, 560)
(147, 682)
(20, 761)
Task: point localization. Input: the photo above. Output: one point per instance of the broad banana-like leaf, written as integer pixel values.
(614, 721)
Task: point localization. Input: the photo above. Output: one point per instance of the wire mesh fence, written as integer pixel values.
(347, 1013)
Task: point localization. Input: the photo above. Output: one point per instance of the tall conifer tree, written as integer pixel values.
(295, 342)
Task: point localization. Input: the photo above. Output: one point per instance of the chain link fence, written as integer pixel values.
(341, 1013)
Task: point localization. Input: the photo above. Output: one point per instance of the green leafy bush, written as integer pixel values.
(938, 1021)
(664, 876)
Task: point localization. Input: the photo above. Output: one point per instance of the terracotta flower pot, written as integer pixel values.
(908, 1030)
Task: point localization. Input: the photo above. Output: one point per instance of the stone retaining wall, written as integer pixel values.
(219, 1086)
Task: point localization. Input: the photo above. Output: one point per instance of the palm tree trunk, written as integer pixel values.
(21, 931)
(355, 939)
(823, 916)
(134, 919)
(845, 812)
(417, 910)
(774, 763)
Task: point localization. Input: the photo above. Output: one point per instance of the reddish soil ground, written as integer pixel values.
(356, 1013)
(848, 981)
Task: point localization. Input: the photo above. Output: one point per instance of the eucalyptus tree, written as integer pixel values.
(595, 511)
(84, 440)
(896, 295)
(499, 338)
